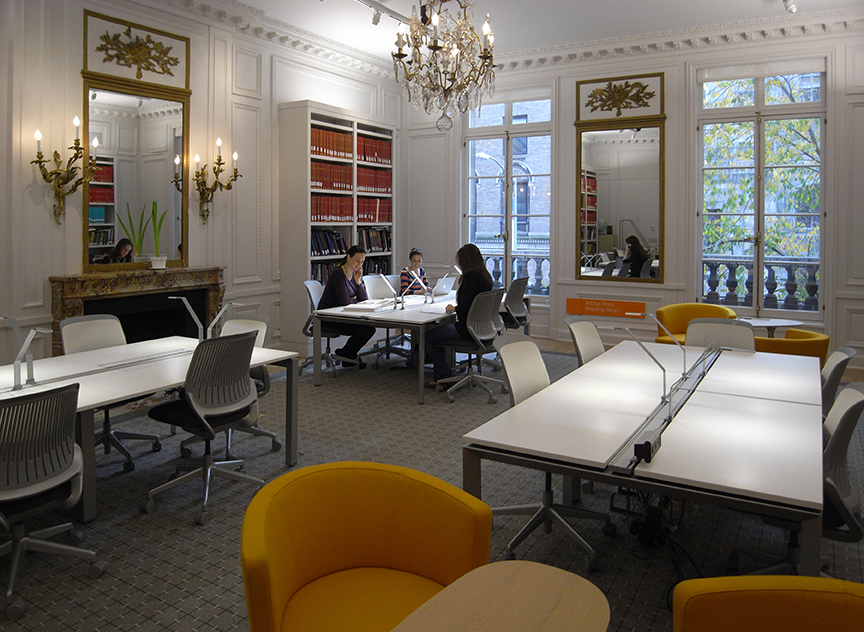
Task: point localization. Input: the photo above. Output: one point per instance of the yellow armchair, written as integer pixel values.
(356, 546)
(768, 603)
(797, 342)
(677, 316)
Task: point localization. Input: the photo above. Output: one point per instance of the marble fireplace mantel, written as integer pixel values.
(69, 293)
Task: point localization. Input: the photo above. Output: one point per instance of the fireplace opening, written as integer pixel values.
(150, 316)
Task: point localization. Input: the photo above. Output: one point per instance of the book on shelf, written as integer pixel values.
(374, 180)
(375, 210)
(103, 173)
(332, 208)
(331, 143)
(376, 265)
(327, 175)
(101, 195)
(376, 150)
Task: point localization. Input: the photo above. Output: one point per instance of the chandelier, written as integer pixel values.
(447, 67)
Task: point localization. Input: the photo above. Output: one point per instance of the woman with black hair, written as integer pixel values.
(345, 287)
(123, 252)
(407, 280)
(635, 255)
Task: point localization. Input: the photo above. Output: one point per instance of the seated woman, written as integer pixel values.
(123, 252)
(474, 280)
(635, 255)
(345, 287)
(411, 285)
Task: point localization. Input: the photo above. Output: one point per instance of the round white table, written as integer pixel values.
(772, 324)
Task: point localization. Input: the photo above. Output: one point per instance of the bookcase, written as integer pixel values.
(588, 214)
(101, 225)
(335, 190)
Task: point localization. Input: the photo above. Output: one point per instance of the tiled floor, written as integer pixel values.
(166, 573)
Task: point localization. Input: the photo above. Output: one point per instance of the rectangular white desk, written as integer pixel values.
(115, 374)
(417, 317)
(732, 443)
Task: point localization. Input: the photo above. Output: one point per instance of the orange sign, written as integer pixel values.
(604, 307)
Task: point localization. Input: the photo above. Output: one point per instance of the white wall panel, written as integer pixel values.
(246, 242)
(298, 82)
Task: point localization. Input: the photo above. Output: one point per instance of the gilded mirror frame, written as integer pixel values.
(110, 65)
(631, 103)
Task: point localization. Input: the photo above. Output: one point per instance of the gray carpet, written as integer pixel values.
(166, 573)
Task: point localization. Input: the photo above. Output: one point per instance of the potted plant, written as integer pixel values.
(157, 261)
(135, 236)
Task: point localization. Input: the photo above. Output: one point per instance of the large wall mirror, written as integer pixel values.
(621, 180)
(135, 130)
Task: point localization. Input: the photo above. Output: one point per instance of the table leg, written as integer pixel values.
(316, 351)
(471, 476)
(85, 437)
(572, 491)
(292, 396)
(421, 365)
(771, 331)
(811, 546)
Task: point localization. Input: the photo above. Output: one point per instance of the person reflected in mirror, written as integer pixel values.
(345, 287)
(635, 255)
(180, 250)
(409, 284)
(123, 252)
(474, 280)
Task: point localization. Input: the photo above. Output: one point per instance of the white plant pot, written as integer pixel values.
(158, 262)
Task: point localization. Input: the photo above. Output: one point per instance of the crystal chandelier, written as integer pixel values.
(448, 67)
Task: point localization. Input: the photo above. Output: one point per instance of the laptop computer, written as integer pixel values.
(444, 285)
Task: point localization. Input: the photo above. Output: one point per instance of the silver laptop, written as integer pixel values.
(444, 285)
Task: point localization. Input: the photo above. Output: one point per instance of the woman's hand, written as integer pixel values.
(450, 309)
(358, 274)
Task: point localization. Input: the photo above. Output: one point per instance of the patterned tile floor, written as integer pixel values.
(166, 573)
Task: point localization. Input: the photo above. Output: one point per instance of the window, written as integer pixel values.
(762, 143)
(509, 186)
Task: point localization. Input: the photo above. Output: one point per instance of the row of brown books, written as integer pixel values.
(374, 180)
(375, 210)
(374, 150)
(332, 208)
(589, 184)
(103, 173)
(374, 239)
(326, 142)
(330, 176)
(101, 195)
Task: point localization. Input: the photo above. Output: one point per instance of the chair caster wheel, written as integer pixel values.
(375, 365)
(590, 563)
(15, 610)
(149, 506)
(509, 554)
(202, 518)
(128, 466)
(587, 487)
(74, 538)
(185, 452)
(157, 446)
(276, 445)
(97, 568)
(451, 398)
(492, 400)
(610, 529)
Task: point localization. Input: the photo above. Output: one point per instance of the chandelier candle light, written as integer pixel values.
(60, 177)
(205, 191)
(447, 67)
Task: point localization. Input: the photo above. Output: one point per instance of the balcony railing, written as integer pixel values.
(535, 267)
(790, 283)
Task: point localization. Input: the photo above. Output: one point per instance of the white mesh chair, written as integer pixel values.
(98, 331)
(720, 332)
(585, 337)
(832, 373)
(378, 287)
(218, 395)
(483, 322)
(41, 471)
(315, 290)
(516, 314)
(526, 376)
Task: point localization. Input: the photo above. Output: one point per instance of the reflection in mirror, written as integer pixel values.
(620, 198)
(134, 139)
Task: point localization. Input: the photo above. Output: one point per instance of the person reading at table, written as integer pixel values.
(474, 280)
(409, 284)
(635, 255)
(345, 287)
(123, 252)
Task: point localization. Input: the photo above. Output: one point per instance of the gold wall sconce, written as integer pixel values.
(61, 177)
(206, 191)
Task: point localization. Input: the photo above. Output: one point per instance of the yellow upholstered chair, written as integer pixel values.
(677, 316)
(768, 603)
(356, 546)
(797, 342)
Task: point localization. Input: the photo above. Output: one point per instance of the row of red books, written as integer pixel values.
(101, 195)
(374, 210)
(374, 239)
(327, 142)
(332, 208)
(374, 180)
(103, 173)
(589, 216)
(374, 150)
(330, 176)
(589, 184)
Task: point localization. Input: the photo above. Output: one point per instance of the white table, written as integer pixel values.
(418, 317)
(115, 374)
(772, 324)
(732, 443)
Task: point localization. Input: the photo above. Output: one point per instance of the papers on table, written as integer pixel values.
(372, 305)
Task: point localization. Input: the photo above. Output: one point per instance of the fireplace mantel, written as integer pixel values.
(69, 293)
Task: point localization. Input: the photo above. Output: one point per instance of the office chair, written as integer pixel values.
(526, 376)
(720, 332)
(609, 269)
(219, 394)
(355, 546)
(516, 314)
(98, 331)
(647, 269)
(483, 322)
(676, 316)
(260, 376)
(767, 604)
(379, 288)
(315, 290)
(832, 373)
(797, 342)
(586, 340)
(41, 472)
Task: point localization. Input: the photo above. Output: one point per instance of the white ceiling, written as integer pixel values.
(520, 26)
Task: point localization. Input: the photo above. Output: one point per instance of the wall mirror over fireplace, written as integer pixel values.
(620, 178)
(136, 123)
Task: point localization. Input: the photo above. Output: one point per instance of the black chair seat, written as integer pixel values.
(180, 413)
(26, 508)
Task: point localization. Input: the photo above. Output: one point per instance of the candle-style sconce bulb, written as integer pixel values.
(178, 181)
(205, 190)
(64, 179)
